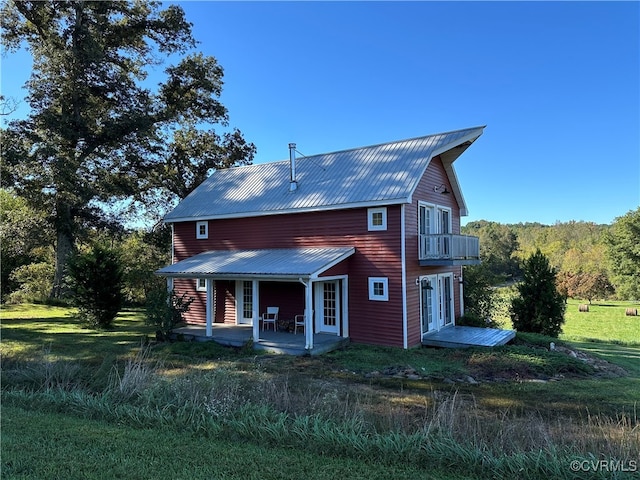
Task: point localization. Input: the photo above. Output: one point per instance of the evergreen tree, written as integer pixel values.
(97, 281)
(539, 307)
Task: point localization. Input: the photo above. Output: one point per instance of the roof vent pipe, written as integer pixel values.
(293, 185)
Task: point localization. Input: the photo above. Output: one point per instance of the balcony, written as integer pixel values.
(447, 249)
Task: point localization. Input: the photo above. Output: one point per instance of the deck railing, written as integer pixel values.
(447, 246)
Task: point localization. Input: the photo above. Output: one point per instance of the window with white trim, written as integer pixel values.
(201, 284)
(377, 218)
(202, 230)
(379, 289)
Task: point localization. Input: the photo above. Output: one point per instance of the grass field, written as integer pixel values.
(81, 403)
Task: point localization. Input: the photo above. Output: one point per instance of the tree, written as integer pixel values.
(623, 251)
(539, 307)
(96, 134)
(478, 296)
(24, 239)
(96, 280)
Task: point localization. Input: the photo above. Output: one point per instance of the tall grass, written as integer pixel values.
(451, 431)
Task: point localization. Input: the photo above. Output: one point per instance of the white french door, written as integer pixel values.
(327, 307)
(244, 302)
(436, 302)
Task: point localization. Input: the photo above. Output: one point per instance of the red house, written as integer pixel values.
(362, 244)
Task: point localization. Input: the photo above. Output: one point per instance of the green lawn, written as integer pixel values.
(48, 431)
(604, 322)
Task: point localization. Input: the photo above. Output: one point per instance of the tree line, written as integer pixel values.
(591, 261)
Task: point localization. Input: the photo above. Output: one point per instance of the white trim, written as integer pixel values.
(258, 213)
(379, 297)
(209, 309)
(202, 235)
(201, 287)
(256, 313)
(373, 227)
(403, 259)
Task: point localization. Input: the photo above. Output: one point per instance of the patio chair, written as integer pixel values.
(299, 321)
(270, 317)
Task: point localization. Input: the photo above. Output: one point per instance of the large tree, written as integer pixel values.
(96, 132)
(623, 250)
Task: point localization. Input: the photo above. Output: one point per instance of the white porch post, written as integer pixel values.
(255, 314)
(209, 311)
(169, 284)
(308, 318)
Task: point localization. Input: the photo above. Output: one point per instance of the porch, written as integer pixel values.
(464, 337)
(270, 341)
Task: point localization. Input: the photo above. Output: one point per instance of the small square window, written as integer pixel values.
(377, 219)
(201, 284)
(379, 289)
(202, 230)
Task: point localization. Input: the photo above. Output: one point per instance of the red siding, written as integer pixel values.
(377, 255)
(434, 177)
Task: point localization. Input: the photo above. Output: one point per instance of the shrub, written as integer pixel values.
(539, 307)
(165, 310)
(35, 279)
(96, 283)
(470, 319)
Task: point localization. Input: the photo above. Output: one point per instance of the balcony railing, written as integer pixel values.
(449, 248)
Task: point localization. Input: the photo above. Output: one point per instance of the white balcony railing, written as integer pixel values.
(446, 246)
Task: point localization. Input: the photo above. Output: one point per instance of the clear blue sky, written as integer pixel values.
(556, 83)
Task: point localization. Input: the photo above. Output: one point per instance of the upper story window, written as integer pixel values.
(377, 218)
(202, 230)
(201, 284)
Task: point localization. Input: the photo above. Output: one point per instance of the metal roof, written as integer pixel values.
(375, 175)
(285, 263)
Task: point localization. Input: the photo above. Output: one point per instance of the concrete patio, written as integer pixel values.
(270, 341)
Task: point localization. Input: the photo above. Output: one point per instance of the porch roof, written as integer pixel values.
(279, 263)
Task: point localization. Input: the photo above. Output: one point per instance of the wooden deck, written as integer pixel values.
(463, 337)
(270, 341)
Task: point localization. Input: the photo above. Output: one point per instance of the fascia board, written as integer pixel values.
(344, 206)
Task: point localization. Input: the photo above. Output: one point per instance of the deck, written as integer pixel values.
(463, 337)
(270, 341)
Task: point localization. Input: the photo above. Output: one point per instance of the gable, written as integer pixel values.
(369, 176)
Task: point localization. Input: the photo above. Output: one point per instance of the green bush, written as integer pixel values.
(96, 284)
(539, 307)
(165, 310)
(36, 281)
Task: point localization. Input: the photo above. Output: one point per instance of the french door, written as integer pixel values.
(436, 302)
(327, 307)
(244, 302)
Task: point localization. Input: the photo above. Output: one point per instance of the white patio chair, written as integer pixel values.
(270, 317)
(299, 321)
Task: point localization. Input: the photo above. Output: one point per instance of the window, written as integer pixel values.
(377, 218)
(201, 284)
(202, 230)
(379, 289)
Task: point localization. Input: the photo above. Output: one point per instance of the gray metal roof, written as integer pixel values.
(367, 176)
(262, 263)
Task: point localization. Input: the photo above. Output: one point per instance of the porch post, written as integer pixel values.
(308, 318)
(255, 315)
(169, 284)
(209, 311)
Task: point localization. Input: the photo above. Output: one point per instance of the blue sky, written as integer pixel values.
(556, 83)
